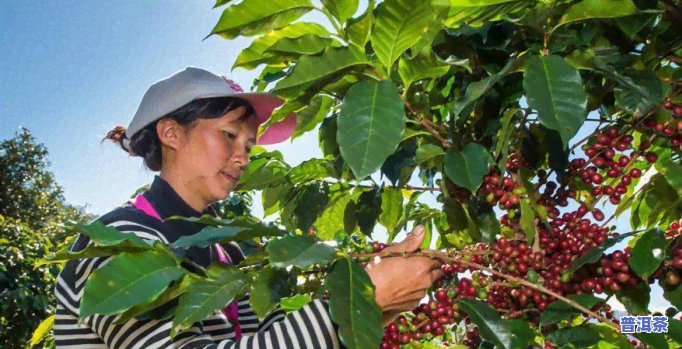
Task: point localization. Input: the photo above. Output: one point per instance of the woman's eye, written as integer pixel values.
(230, 135)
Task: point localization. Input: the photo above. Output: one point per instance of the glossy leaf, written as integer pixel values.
(93, 251)
(358, 29)
(467, 3)
(647, 94)
(330, 222)
(391, 207)
(267, 289)
(127, 280)
(102, 235)
(309, 205)
(559, 310)
(504, 334)
(303, 45)
(205, 296)
(399, 25)
(254, 54)
(648, 253)
(308, 118)
(368, 207)
(555, 89)
(675, 329)
(653, 340)
(578, 337)
(296, 302)
(588, 9)
(370, 125)
(319, 68)
(253, 17)
(423, 66)
(635, 299)
(352, 305)
(477, 89)
(466, 168)
(341, 9)
(310, 170)
(672, 294)
(300, 251)
(42, 331)
(159, 305)
(527, 221)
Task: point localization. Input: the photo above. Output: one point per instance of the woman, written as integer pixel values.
(196, 129)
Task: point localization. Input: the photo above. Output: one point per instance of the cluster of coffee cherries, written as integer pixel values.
(672, 129)
(674, 229)
(429, 319)
(672, 276)
(612, 272)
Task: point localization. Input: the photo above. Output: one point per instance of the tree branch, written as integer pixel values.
(445, 257)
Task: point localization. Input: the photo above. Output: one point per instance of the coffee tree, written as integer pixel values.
(481, 101)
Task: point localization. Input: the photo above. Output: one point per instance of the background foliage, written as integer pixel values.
(480, 100)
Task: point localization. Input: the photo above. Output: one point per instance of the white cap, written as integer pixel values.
(193, 83)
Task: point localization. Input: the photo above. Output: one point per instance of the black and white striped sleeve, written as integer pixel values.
(310, 327)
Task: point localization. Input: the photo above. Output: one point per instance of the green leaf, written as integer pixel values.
(559, 310)
(503, 333)
(466, 168)
(128, 280)
(320, 68)
(368, 209)
(370, 125)
(341, 9)
(267, 289)
(672, 172)
(352, 306)
(647, 94)
(42, 330)
(653, 340)
(102, 235)
(477, 89)
(358, 29)
(205, 296)
(609, 338)
(635, 299)
(423, 66)
(330, 222)
(310, 204)
(311, 170)
(631, 25)
(93, 251)
(391, 207)
(399, 25)
(427, 152)
(673, 295)
(308, 118)
(254, 55)
(467, 3)
(527, 221)
(675, 330)
(579, 337)
(300, 251)
(263, 173)
(160, 304)
(555, 89)
(592, 255)
(588, 9)
(305, 44)
(296, 302)
(648, 253)
(212, 235)
(253, 17)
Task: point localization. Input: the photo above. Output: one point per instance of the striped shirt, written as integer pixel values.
(309, 327)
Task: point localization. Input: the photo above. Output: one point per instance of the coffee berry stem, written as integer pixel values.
(446, 257)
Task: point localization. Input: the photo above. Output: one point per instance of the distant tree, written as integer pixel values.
(32, 206)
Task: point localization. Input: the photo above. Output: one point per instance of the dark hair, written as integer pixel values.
(146, 144)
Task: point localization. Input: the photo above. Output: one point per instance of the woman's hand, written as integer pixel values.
(401, 282)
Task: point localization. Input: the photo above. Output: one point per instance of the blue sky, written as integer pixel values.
(72, 70)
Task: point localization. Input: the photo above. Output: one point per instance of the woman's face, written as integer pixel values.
(213, 155)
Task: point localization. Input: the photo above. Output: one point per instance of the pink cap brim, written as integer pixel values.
(264, 104)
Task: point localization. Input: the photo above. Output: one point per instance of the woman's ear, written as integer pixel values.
(170, 133)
